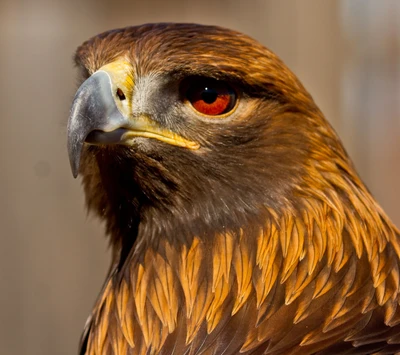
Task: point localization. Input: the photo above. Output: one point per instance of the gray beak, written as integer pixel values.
(95, 118)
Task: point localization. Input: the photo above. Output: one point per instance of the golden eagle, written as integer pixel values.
(237, 222)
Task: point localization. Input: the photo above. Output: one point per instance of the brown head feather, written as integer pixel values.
(265, 242)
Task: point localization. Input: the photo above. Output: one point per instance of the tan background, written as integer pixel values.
(52, 257)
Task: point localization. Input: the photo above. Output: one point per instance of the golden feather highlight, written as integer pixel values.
(243, 265)
(296, 262)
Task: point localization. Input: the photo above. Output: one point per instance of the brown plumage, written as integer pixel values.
(246, 232)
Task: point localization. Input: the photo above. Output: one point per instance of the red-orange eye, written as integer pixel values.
(211, 97)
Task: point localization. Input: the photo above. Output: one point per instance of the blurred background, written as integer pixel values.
(53, 257)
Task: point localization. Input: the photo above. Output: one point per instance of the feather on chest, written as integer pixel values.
(297, 285)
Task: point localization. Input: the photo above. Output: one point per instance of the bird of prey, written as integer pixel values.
(237, 222)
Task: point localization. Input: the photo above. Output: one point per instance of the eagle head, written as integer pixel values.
(236, 218)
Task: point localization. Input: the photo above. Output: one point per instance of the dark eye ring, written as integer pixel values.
(210, 97)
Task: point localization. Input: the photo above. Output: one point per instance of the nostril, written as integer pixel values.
(121, 94)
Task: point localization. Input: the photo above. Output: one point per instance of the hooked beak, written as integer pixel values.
(99, 117)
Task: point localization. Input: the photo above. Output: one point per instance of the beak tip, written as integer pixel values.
(75, 163)
(74, 168)
(74, 154)
(74, 173)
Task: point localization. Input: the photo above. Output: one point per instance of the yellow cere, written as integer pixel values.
(121, 74)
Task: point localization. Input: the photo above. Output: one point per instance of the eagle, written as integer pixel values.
(237, 221)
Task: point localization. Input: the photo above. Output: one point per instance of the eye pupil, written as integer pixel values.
(209, 95)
